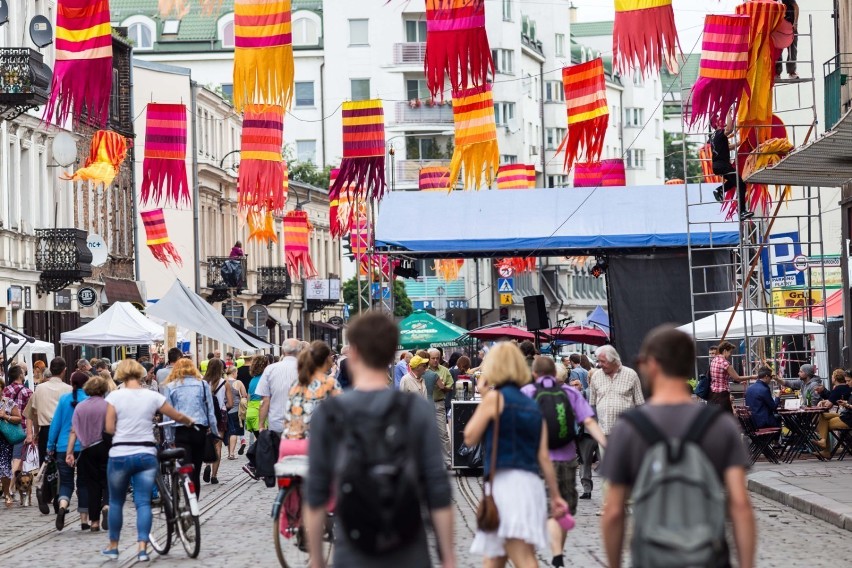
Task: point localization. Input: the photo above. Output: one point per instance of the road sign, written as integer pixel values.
(87, 296)
(505, 285)
(506, 271)
(800, 263)
(506, 300)
(257, 315)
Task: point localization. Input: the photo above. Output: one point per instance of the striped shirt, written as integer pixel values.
(613, 394)
(719, 374)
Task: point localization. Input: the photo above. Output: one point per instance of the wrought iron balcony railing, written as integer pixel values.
(24, 81)
(226, 275)
(273, 283)
(62, 257)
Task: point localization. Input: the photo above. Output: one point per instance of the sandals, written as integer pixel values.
(232, 457)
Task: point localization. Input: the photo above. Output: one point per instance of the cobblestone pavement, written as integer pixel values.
(237, 531)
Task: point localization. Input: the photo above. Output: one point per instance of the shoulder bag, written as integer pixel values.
(210, 455)
(487, 515)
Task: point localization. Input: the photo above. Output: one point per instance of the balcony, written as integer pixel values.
(533, 44)
(408, 171)
(273, 284)
(836, 71)
(424, 114)
(24, 81)
(426, 287)
(62, 257)
(226, 275)
(410, 53)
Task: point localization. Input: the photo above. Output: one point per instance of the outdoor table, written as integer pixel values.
(802, 424)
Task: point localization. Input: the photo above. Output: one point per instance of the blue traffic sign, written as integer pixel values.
(505, 285)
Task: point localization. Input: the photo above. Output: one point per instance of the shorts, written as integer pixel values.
(253, 416)
(566, 480)
(234, 426)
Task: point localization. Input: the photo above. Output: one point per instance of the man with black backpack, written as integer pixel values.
(376, 452)
(564, 409)
(683, 481)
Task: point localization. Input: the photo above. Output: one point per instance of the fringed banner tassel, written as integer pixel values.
(363, 166)
(107, 152)
(164, 166)
(262, 175)
(448, 268)
(584, 140)
(644, 36)
(588, 112)
(476, 138)
(262, 227)
(157, 237)
(296, 251)
(263, 53)
(765, 156)
(517, 264)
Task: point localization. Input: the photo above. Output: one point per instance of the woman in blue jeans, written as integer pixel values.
(133, 456)
(57, 441)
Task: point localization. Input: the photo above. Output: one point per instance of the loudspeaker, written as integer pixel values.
(536, 312)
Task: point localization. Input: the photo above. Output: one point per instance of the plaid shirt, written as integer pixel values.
(21, 395)
(719, 374)
(613, 394)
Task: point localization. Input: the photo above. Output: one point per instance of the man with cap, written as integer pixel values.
(811, 386)
(413, 380)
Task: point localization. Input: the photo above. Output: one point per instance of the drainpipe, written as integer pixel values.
(322, 111)
(133, 207)
(541, 113)
(196, 245)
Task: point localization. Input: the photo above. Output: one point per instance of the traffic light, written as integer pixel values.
(347, 245)
(504, 314)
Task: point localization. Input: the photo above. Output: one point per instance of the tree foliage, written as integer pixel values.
(402, 306)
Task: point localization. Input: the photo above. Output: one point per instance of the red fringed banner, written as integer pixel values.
(612, 173)
(164, 166)
(107, 152)
(517, 264)
(587, 174)
(82, 75)
(262, 177)
(296, 251)
(343, 207)
(644, 36)
(456, 45)
(157, 237)
(476, 137)
(724, 65)
(434, 178)
(588, 112)
(516, 176)
(363, 164)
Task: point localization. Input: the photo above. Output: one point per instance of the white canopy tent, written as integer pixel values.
(121, 324)
(26, 355)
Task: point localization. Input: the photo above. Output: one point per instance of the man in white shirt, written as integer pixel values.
(274, 387)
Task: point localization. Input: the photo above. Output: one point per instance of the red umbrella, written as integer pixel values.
(507, 331)
(577, 334)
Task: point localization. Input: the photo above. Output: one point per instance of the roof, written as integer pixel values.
(577, 56)
(688, 70)
(591, 29)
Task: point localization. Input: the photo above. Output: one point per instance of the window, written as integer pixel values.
(508, 159)
(558, 180)
(554, 91)
(304, 93)
(171, 27)
(306, 150)
(659, 168)
(560, 45)
(115, 98)
(553, 137)
(416, 89)
(141, 36)
(504, 61)
(228, 91)
(638, 79)
(306, 32)
(360, 89)
(359, 32)
(634, 117)
(503, 113)
(507, 10)
(635, 159)
(614, 115)
(658, 128)
(415, 31)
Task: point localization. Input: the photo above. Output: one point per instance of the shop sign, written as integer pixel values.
(15, 297)
(62, 299)
(789, 302)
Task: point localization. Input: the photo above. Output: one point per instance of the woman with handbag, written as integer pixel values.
(191, 395)
(512, 516)
(11, 434)
(236, 394)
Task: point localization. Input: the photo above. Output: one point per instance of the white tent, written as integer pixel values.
(26, 355)
(121, 324)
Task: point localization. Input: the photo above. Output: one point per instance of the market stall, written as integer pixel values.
(121, 324)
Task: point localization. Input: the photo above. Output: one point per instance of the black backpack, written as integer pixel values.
(558, 413)
(378, 495)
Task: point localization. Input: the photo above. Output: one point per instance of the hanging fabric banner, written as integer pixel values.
(296, 251)
(261, 227)
(644, 36)
(588, 112)
(612, 173)
(516, 176)
(107, 152)
(157, 237)
(448, 268)
(343, 207)
(456, 45)
(587, 174)
(476, 137)
(723, 68)
(263, 53)
(262, 179)
(434, 178)
(518, 265)
(359, 240)
(82, 75)
(363, 164)
(164, 166)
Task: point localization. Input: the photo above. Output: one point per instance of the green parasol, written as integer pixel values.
(422, 330)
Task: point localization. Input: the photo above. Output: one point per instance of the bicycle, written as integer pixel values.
(176, 505)
(287, 516)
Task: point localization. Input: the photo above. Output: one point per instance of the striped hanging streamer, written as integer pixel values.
(343, 206)
(263, 53)
(448, 268)
(476, 137)
(644, 36)
(587, 174)
(516, 176)
(262, 178)
(107, 152)
(612, 173)
(261, 227)
(363, 164)
(724, 65)
(82, 74)
(434, 178)
(164, 166)
(359, 240)
(456, 45)
(588, 112)
(157, 237)
(296, 251)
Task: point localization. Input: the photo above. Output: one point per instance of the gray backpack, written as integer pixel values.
(678, 500)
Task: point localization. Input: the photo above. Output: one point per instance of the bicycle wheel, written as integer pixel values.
(188, 525)
(291, 544)
(162, 517)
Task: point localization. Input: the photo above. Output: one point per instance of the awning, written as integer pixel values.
(502, 332)
(121, 290)
(277, 321)
(834, 305)
(249, 337)
(751, 323)
(551, 222)
(121, 324)
(825, 162)
(325, 325)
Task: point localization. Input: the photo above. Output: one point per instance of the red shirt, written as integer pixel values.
(21, 395)
(719, 374)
